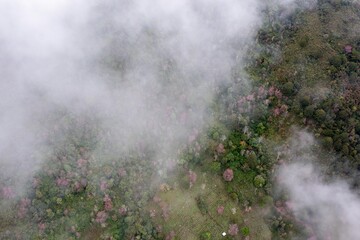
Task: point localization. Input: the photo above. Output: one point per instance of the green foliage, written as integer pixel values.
(337, 61)
(320, 115)
(328, 142)
(304, 41)
(288, 88)
(215, 167)
(309, 111)
(260, 128)
(205, 236)
(259, 181)
(305, 101)
(201, 204)
(245, 231)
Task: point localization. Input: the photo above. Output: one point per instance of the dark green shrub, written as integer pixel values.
(288, 88)
(343, 115)
(327, 142)
(201, 204)
(337, 61)
(320, 115)
(345, 149)
(259, 181)
(315, 54)
(309, 111)
(304, 41)
(205, 236)
(215, 167)
(234, 196)
(305, 101)
(245, 231)
(355, 56)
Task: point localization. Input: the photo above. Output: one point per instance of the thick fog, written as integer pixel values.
(143, 72)
(327, 208)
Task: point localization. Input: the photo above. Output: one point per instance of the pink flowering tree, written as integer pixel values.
(101, 217)
(220, 149)
(228, 175)
(220, 210)
(107, 203)
(233, 229)
(192, 178)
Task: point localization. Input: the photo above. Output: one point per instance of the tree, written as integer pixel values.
(228, 175)
(320, 115)
(259, 181)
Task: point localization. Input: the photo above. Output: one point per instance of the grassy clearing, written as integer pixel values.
(187, 220)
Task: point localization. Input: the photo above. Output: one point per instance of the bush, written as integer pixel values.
(320, 115)
(304, 41)
(234, 196)
(309, 111)
(215, 167)
(201, 204)
(355, 56)
(315, 54)
(327, 142)
(288, 88)
(259, 181)
(337, 61)
(305, 101)
(205, 236)
(245, 231)
(228, 175)
(343, 115)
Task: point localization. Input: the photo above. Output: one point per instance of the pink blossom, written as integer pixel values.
(81, 162)
(159, 228)
(283, 108)
(35, 182)
(101, 217)
(156, 199)
(240, 102)
(77, 186)
(278, 94)
(228, 175)
(122, 172)
(83, 182)
(220, 149)
(123, 210)
(107, 203)
(103, 186)
(233, 229)
(41, 227)
(170, 236)
(277, 112)
(220, 210)
(62, 182)
(192, 178)
(152, 213)
(8, 192)
(271, 91)
(348, 49)
(165, 210)
(23, 207)
(261, 92)
(250, 97)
